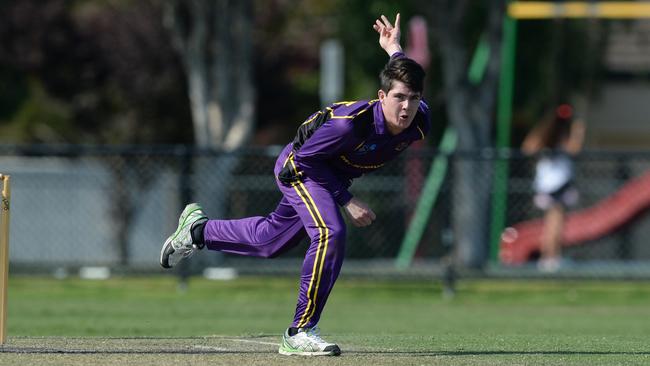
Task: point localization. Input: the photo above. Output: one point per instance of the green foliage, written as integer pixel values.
(42, 118)
(363, 56)
(98, 71)
(13, 90)
(108, 71)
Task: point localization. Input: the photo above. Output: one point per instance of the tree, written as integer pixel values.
(90, 72)
(97, 73)
(470, 110)
(214, 42)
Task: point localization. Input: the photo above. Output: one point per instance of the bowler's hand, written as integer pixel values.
(388, 35)
(359, 212)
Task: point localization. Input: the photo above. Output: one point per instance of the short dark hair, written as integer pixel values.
(405, 70)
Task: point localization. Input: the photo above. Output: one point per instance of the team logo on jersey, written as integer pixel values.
(401, 146)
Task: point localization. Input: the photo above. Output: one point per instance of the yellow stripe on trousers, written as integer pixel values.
(323, 238)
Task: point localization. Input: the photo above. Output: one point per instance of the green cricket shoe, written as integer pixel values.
(307, 342)
(179, 245)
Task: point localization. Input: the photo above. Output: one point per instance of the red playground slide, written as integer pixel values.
(521, 241)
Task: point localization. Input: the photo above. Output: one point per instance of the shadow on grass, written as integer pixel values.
(496, 353)
(39, 350)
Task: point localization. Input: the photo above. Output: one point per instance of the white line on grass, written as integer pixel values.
(250, 341)
(210, 348)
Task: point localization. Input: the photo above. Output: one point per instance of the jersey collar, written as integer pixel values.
(380, 121)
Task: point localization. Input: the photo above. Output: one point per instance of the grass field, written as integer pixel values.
(146, 321)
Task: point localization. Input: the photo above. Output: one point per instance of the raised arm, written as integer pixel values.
(532, 142)
(389, 35)
(576, 137)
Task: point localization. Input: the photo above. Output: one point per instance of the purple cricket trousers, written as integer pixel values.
(305, 208)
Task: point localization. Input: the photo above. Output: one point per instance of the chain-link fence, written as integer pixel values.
(77, 206)
(611, 213)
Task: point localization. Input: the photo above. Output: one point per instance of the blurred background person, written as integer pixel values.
(554, 141)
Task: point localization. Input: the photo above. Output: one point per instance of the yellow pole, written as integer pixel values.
(4, 254)
(579, 9)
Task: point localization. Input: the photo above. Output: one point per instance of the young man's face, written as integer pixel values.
(400, 105)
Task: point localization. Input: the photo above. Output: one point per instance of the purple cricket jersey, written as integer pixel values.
(346, 140)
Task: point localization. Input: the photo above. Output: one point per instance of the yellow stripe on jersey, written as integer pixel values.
(289, 157)
(293, 164)
(313, 118)
(421, 133)
(347, 104)
(358, 146)
(319, 260)
(347, 161)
